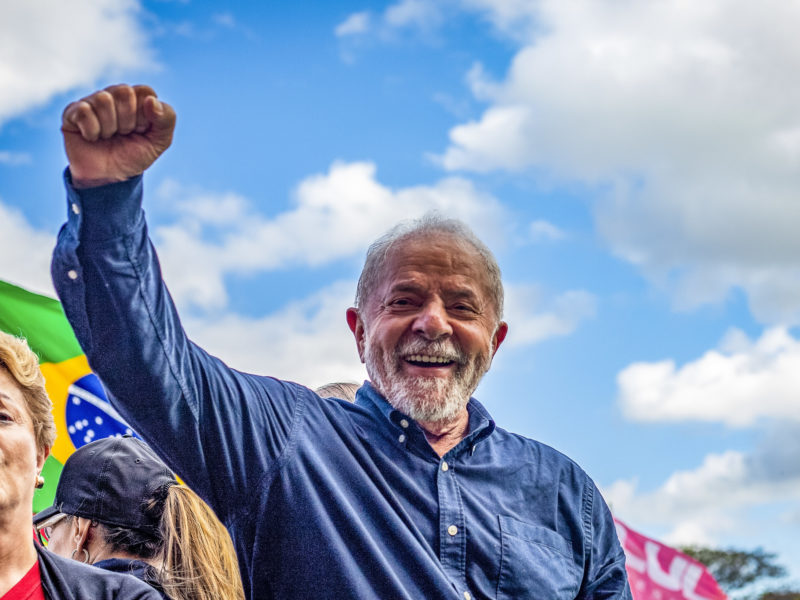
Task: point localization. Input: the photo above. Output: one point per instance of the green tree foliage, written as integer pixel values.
(738, 569)
(734, 569)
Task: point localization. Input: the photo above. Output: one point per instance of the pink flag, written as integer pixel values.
(658, 572)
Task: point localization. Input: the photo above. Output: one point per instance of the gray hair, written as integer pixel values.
(429, 223)
(339, 389)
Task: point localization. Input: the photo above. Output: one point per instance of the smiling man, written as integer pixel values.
(428, 322)
(411, 492)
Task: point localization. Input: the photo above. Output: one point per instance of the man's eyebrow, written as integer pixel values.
(405, 286)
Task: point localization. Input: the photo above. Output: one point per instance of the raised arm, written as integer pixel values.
(219, 429)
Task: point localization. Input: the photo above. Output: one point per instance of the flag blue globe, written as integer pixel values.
(89, 414)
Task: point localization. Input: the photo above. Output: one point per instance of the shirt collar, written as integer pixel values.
(481, 424)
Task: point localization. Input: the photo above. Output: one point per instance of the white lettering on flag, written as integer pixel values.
(658, 572)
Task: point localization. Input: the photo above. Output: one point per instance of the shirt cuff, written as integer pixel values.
(104, 212)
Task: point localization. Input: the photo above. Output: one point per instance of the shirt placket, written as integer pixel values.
(452, 527)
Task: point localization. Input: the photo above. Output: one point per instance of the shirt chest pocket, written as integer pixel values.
(536, 563)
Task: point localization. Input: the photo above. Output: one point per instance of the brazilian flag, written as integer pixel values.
(80, 407)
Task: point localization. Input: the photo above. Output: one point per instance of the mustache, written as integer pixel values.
(443, 348)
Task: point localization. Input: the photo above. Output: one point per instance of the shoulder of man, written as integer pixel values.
(527, 449)
(67, 579)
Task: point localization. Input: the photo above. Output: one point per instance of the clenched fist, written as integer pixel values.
(115, 133)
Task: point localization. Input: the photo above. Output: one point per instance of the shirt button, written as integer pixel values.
(467, 596)
(401, 439)
(75, 208)
(72, 274)
(404, 424)
(444, 466)
(452, 530)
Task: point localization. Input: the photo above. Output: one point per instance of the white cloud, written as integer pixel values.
(40, 56)
(307, 341)
(544, 231)
(14, 159)
(708, 504)
(25, 256)
(515, 17)
(698, 240)
(512, 17)
(355, 24)
(533, 318)
(334, 216)
(687, 114)
(737, 384)
(497, 141)
(417, 13)
(414, 15)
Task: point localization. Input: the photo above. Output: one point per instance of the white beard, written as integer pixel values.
(426, 399)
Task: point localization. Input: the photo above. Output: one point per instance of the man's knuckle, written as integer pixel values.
(123, 95)
(69, 111)
(144, 90)
(81, 111)
(102, 99)
(115, 87)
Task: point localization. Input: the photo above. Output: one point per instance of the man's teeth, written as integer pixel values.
(428, 359)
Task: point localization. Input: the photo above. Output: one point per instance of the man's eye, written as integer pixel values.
(463, 308)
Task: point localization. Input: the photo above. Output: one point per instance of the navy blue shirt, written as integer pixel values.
(68, 579)
(138, 568)
(324, 498)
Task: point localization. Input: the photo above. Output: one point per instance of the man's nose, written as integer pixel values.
(432, 321)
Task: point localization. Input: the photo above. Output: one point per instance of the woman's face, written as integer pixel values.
(20, 459)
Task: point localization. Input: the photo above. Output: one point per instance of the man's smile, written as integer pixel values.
(424, 360)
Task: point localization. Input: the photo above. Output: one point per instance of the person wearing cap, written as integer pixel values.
(27, 431)
(118, 507)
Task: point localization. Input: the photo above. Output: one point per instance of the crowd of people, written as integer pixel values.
(405, 488)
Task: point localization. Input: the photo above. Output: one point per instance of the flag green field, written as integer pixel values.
(41, 321)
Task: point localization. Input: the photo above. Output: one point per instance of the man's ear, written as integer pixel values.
(499, 336)
(357, 327)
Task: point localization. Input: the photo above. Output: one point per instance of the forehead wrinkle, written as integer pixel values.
(444, 258)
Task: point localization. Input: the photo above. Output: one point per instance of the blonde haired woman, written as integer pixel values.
(27, 432)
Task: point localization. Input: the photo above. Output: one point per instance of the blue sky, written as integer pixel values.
(633, 165)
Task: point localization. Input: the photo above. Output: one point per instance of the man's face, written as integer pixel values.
(429, 329)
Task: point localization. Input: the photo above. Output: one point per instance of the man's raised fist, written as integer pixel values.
(115, 133)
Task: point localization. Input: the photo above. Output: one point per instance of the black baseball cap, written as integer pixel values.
(110, 481)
